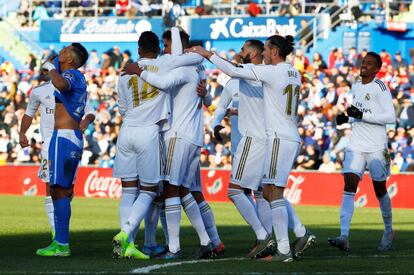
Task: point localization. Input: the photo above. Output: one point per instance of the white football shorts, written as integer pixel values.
(182, 160)
(378, 163)
(247, 168)
(280, 157)
(138, 154)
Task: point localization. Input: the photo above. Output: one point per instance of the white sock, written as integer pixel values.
(129, 194)
(193, 213)
(163, 221)
(151, 223)
(386, 211)
(247, 211)
(251, 200)
(294, 222)
(173, 217)
(209, 223)
(263, 211)
(347, 210)
(138, 211)
(280, 221)
(50, 212)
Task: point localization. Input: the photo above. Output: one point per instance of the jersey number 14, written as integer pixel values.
(147, 91)
(292, 91)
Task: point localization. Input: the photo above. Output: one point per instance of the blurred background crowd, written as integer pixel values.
(326, 93)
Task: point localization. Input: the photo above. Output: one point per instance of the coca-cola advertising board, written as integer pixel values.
(305, 188)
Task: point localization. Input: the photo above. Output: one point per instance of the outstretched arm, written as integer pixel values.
(164, 81)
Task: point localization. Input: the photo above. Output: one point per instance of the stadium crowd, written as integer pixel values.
(401, 11)
(326, 92)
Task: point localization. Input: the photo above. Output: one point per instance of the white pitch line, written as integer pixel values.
(150, 268)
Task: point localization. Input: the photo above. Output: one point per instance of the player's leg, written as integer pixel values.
(192, 211)
(43, 174)
(208, 218)
(278, 163)
(353, 169)
(151, 246)
(263, 210)
(304, 238)
(172, 202)
(64, 155)
(379, 167)
(245, 175)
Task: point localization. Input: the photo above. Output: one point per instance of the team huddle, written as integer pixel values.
(161, 99)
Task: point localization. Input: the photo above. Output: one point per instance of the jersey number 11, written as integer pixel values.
(292, 91)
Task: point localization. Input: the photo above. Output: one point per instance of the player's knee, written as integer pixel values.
(351, 182)
(184, 191)
(198, 196)
(58, 192)
(171, 191)
(380, 188)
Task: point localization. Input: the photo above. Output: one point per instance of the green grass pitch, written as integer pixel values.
(24, 228)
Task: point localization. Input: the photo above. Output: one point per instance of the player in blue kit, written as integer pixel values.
(66, 144)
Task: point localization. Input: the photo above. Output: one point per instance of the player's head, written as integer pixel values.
(148, 44)
(74, 55)
(167, 39)
(252, 51)
(277, 48)
(371, 64)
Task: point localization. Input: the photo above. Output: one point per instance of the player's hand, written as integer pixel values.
(341, 119)
(354, 112)
(180, 28)
(132, 68)
(202, 89)
(201, 51)
(23, 141)
(217, 130)
(83, 125)
(232, 112)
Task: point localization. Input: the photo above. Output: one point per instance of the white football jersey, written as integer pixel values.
(229, 99)
(42, 97)
(142, 104)
(375, 101)
(187, 111)
(251, 109)
(281, 87)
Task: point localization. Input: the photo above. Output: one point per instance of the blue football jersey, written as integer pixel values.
(74, 99)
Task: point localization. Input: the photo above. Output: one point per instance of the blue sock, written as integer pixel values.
(62, 216)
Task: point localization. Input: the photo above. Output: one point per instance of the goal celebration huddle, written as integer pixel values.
(161, 99)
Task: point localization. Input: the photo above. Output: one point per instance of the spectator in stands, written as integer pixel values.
(126, 58)
(31, 62)
(116, 58)
(327, 165)
(121, 7)
(93, 61)
(404, 120)
(318, 63)
(253, 9)
(399, 61)
(213, 87)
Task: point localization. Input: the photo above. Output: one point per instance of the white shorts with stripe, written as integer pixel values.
(280, 157)
(43, 172)
(247, 168)
(378, 163)
(196, 185)
(183, 158)
(138, 154)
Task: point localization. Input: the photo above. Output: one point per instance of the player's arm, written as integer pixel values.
(59, 81)
(27, 119)
(387, 113)
(122, 100)
(176, 45)
(188, 59)
(89, 116)
(165, 81)
(221, 110)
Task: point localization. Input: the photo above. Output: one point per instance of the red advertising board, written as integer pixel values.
(308, 188)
